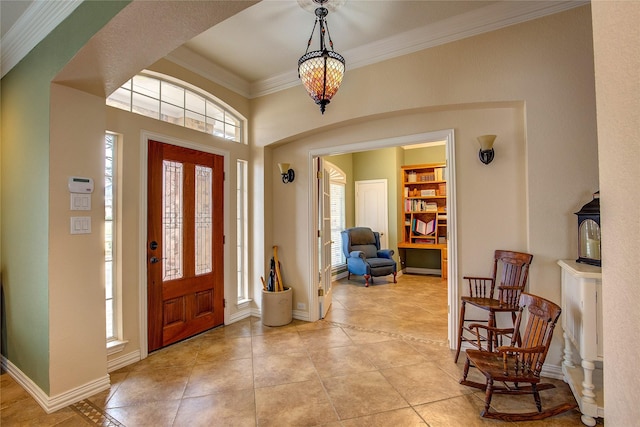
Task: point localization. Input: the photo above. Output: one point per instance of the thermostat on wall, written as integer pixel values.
(80, 185)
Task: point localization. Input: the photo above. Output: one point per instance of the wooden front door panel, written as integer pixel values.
(185, 289)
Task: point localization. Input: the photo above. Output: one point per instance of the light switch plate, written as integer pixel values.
(80, 202)
(80, 225)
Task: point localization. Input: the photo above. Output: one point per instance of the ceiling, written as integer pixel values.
(256, 51)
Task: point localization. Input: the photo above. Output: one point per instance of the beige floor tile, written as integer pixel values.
(257, 328)
(101, 399)
(26, 412)
(362, 394)
(339, 361)
(458, 411)
(282, 369)
(325, 338)
(11, 391)
(296, 404)
(219, 377)
(157, 414)
(212, 351)
(405, 417)
(423, 383)
(278, 343)
(388, 354)
(242, 328)
(177, 355)
(230, 409)
(150, 386)
(360, 336)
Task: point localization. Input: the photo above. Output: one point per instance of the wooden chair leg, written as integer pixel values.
(348, 275)
(536, 396)
(394, 277)
(467, 364)
(487, 397)
(366, 280)
(460, 329)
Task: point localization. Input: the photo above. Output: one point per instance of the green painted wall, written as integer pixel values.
(25, 188)
(419, 156)
(382, 164)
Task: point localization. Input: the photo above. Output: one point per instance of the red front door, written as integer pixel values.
(185, 289)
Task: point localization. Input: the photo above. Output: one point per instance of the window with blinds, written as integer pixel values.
(338, 182)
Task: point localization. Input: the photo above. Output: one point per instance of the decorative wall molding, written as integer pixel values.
(40, 18)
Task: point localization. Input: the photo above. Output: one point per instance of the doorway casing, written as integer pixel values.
(447, 136)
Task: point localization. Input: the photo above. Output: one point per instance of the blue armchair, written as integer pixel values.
(361, 247)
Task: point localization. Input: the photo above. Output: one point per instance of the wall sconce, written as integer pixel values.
(486, 148)
(287, 174)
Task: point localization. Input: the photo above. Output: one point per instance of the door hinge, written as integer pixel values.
(319, 174)
(225, 302)
(319, 233)
(224, 240)
(224, 176)
(320, 292)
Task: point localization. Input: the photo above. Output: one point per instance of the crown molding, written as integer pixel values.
(490, 18)
(40, 18)
(190, 60)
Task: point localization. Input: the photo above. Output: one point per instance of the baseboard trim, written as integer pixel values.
(53, 403)
(124, 360)
(239, 315)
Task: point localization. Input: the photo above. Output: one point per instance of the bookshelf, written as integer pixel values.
(424, 209)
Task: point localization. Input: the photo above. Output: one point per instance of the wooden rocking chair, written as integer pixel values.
(510, 274)
(517, 363)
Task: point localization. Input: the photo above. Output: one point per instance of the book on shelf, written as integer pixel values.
(431, 207)
(423, 228)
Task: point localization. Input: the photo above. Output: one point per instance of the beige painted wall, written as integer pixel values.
(481, 189)
(76, 262)
(617, 61)
(546, 159)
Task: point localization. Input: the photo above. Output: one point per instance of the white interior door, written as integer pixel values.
(324, 227)
(371, 207)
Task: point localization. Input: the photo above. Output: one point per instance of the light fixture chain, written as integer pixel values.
(315, 24)
(326, 25)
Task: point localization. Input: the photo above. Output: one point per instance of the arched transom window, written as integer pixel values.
(164, 98)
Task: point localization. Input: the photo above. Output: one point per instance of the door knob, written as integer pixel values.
(154, 260)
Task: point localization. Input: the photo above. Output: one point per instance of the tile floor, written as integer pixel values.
(379, 359)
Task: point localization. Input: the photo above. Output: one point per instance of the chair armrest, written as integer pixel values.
(357, 254)
(492, 332)
(385, 253)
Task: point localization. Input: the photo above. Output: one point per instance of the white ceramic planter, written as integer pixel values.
(277, 307)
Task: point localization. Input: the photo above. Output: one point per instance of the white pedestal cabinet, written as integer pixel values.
(582, 326)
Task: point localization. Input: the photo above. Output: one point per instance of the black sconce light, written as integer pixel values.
(486, 148)
(287, 174)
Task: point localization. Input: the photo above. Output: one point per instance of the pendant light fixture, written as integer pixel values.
(321, 71)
